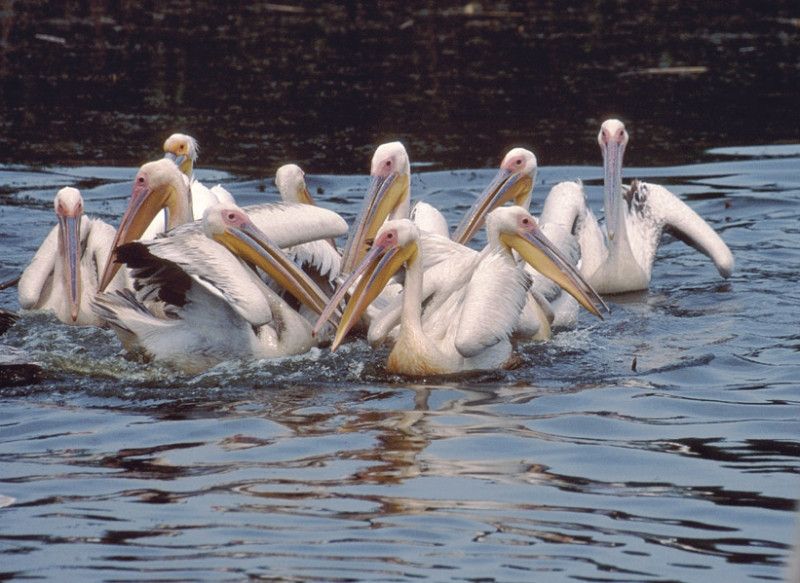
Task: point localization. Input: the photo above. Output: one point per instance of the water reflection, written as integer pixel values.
(573, 466)
(410, 475)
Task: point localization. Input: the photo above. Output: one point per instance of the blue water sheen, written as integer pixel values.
(575, 466)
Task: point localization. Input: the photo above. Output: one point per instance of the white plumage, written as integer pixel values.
(198, 302)
(619, 257)
(460, 314)
(321, 255)
(63, 275)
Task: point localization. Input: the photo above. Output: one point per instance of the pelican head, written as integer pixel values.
(513, 182)
(69, 210)
(515, 228)
(230, 226)
(388, 197)
(183, 150)
(157, 185)
(612, 139)
(291, 182)
(396, 244)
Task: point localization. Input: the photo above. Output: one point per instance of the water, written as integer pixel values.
(660, 445)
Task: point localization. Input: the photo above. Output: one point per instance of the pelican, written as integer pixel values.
(183, 150)
(548, 305)
(158, 185)
(478, 310)
(621, 258)
(321, 255)
(213, 305)
(63, 275)
(388, 198)
(512, 183)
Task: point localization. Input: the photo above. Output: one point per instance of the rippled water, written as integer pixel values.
(660, 445)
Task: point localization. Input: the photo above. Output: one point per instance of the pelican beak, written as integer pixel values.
(145, 203)
(251, 244)
(612, 183)
(506, 186)
(536, 249)
(180, 160)
(304, 196)
(370, 277)
(70, 249)
(383, 196)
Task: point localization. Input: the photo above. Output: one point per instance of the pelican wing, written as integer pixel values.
(166, 268)
(207, 331)
(489, 312)
(681, 221)
(320, 255)
(447, 266)
(428, 218)
(566, 207)
(222, 194)
(37, 279)
(438, 249)
(290, 223)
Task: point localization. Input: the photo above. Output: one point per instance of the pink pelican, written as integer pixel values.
(157, 186)
(63, 275)
(183, 150)
(512, 183)
(479, 308)
(620, 258)
(320, 255)
(198, 301)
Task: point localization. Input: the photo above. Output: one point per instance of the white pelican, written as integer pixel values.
(513, 182)
(388, 198)
(547, 306)
(444, 280)
(183, 150)
(321, 255)
(621, 259)
(476, 313)
(212, 306)
(64, 273)
(158, 185)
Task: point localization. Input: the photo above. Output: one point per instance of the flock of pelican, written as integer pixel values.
(190, 279)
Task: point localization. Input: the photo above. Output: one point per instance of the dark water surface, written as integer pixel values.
(572, 467)
(323, 83)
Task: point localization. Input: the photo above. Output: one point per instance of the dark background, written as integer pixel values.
(322, 83)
